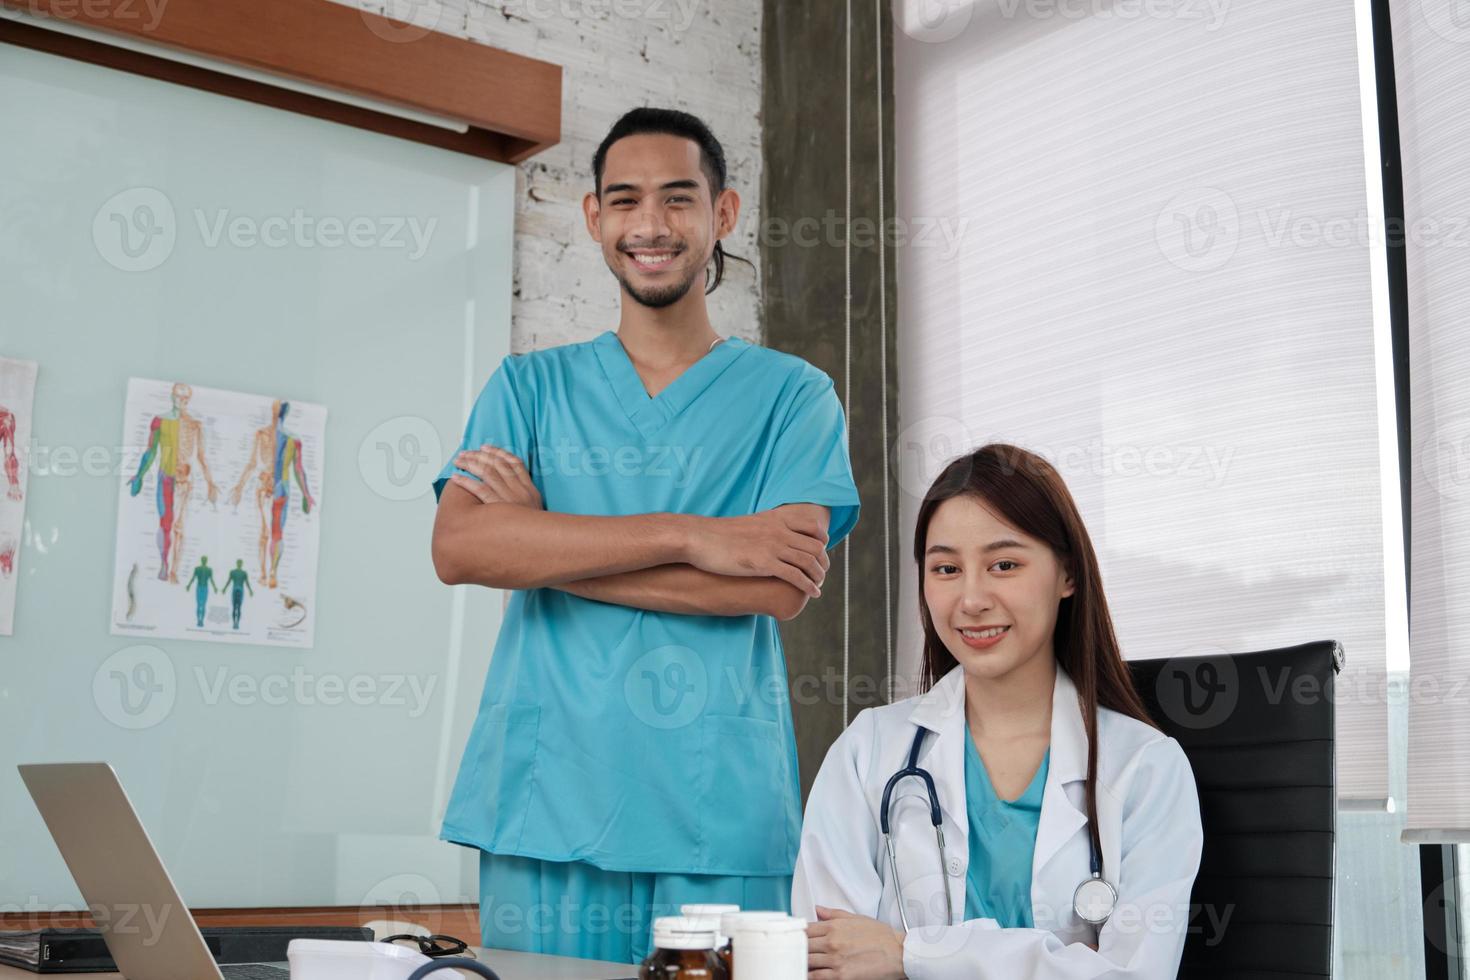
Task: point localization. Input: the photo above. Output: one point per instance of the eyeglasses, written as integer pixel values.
(434, 945)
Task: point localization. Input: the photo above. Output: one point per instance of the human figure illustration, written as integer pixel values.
(204, 576)
(238, 582)
(7, 447)
(176, 440)
(277, 455)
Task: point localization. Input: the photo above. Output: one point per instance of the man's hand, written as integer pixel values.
(844, 946)
(502, 477)
(784, 543)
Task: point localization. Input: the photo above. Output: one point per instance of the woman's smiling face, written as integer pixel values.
(980, 572)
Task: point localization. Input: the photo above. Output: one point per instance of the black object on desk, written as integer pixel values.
(83, 950)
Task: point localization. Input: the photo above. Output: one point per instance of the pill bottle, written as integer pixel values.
(682, 951)
(771, 946)
(711, 915)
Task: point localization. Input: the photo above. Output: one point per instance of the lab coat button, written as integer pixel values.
(955, 868)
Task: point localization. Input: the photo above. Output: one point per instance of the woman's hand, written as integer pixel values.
(502, 478)
(844, 946)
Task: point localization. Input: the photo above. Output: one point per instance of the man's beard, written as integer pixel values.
(658, 297)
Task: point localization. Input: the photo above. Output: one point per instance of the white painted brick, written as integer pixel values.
(702, 56)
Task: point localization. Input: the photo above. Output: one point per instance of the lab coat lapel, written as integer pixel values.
(942, 711)
(1061, 818)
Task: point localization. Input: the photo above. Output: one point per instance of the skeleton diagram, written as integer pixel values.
(176, 440)
(277, 455)
(7, 447)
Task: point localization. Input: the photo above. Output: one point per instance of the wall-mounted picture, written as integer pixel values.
(17, 395)
(218, 516)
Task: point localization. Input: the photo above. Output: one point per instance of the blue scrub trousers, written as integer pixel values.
(571, 908)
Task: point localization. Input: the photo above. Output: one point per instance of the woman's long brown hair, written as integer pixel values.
(1027, 492)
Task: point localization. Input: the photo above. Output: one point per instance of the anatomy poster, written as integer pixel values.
(219, 514)
(17, 395)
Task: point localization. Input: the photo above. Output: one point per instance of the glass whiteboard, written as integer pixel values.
(155, 231)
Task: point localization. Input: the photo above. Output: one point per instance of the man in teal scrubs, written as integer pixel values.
(655, 498)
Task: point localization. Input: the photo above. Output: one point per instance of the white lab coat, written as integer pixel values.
(1148, 816)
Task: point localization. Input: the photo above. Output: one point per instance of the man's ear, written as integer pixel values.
(727, 212)
(592, 212)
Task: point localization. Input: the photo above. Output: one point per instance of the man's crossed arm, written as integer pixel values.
(494, 531)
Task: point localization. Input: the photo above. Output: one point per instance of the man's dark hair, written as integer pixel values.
(672, 122)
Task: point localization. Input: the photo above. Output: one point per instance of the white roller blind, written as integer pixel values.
(1161, 281)
(1431, 41)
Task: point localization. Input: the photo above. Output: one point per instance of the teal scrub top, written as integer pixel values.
(629, 739)
(1002, 844)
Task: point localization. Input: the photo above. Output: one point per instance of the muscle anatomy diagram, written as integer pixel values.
(276, 455)
(17, 395)
(175, 442)
(270, 451)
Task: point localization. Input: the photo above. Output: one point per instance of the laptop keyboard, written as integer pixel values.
(254, 971)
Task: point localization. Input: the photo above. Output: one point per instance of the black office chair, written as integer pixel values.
(1258, 730)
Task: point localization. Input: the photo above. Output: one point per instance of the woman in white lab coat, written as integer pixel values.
(1041, 755)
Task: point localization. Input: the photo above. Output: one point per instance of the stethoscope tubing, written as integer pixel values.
(913, 771)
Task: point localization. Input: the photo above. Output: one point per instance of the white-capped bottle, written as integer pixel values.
(682, 950)
(769, 949)
(712, 915)
(729, 922)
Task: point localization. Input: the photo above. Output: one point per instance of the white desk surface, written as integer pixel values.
(510, 966)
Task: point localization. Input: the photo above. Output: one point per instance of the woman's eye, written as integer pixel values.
(944, 569)
(1006, 561)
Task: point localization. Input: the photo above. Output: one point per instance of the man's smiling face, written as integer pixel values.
(655, 216)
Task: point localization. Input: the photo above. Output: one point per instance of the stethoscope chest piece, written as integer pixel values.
(1095, 900)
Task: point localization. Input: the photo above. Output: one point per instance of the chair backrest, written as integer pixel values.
(1258, 730)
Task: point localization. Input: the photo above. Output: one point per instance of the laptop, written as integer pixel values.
(146, 925)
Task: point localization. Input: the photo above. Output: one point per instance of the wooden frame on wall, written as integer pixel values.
(509, 104)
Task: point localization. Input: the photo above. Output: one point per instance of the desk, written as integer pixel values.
(510, 966)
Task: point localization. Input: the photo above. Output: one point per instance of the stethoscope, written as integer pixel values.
(1093, 901)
